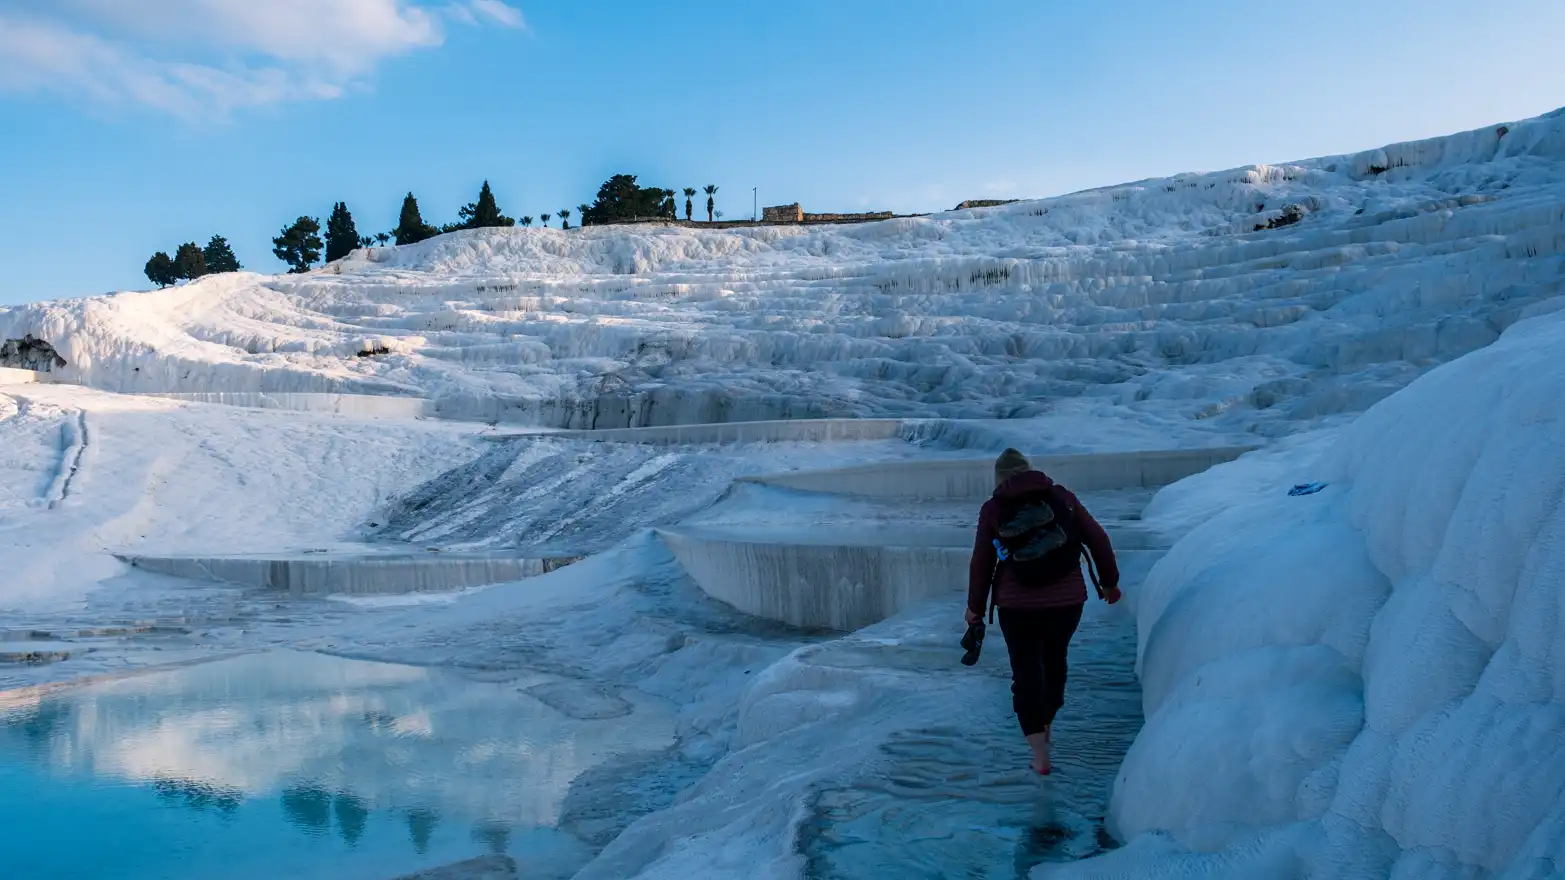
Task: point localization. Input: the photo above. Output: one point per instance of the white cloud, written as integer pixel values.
(498, 13)
(205, 57)
(38, 56)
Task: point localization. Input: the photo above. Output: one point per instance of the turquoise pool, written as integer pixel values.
(298, 765)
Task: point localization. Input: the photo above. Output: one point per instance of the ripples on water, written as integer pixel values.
(298, 765)
(958, 800)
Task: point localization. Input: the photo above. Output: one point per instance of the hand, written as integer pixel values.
(1112, 595)
(970, 617)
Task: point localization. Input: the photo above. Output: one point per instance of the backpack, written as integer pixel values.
(1039, 539)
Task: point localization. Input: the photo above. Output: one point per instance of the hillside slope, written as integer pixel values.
(1261, 297)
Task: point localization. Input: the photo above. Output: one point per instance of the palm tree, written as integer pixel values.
(582, 210)
(690, 193)
(527, 221)
(545, 219)
(382, 237)
(565, 218)
(710, 190)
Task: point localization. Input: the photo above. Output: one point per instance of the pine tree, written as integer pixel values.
(341, 235)
(219, 256)
(299, 245)
(160, 270)
(484, 212)
(622, 198)
(189, 262)
(411, 228)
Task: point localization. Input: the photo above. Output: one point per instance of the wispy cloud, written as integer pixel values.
(497, 13)
(205, 58)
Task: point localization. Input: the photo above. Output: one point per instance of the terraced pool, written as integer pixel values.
(295, 764)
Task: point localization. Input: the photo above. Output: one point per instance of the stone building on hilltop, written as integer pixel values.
(795, 214)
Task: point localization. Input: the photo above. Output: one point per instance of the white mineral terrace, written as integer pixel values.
(1260, 297)
(844, 576)
(847, 574)
(765, 448)
(361, 573)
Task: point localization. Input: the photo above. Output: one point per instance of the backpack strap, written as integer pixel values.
(992, 573)
(1092, 565)
(1092, 570)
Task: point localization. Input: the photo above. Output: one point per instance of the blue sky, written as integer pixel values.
(127, 128)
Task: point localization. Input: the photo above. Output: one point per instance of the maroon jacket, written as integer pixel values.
(1009, 591)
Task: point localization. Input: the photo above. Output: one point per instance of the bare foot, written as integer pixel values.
(1039, 742)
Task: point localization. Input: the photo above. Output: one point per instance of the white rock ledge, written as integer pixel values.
(974, 477)
(360, 574)
(835, 578)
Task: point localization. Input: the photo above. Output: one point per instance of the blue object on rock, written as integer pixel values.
(1306, 489)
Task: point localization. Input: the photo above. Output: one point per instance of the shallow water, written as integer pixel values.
(955, 798)
(300, 765)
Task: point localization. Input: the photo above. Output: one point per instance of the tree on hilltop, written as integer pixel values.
(565, 218)
(160, 270)
(622, 198)
(382, 237)
(189, 261)
(690, 193)
(342, 236)
(411, 228)
(527, 220)
(581, 211)
(219, 256)
(299, 244)
(710, 190)
(544, 219)
(483, 213)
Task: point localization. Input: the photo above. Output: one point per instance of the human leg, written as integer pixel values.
(1055, 629)
(1024, 644)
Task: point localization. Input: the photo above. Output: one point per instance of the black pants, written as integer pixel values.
(1037, 642)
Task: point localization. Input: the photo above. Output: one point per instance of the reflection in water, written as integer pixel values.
(421, 827)
(196, 795)
(495, 836)
(352, 816)
(260, 756)
(39, 724)
(308, 808)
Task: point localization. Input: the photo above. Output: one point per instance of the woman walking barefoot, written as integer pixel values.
(1028, 556)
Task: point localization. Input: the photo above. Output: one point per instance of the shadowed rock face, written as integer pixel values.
(29, 353)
